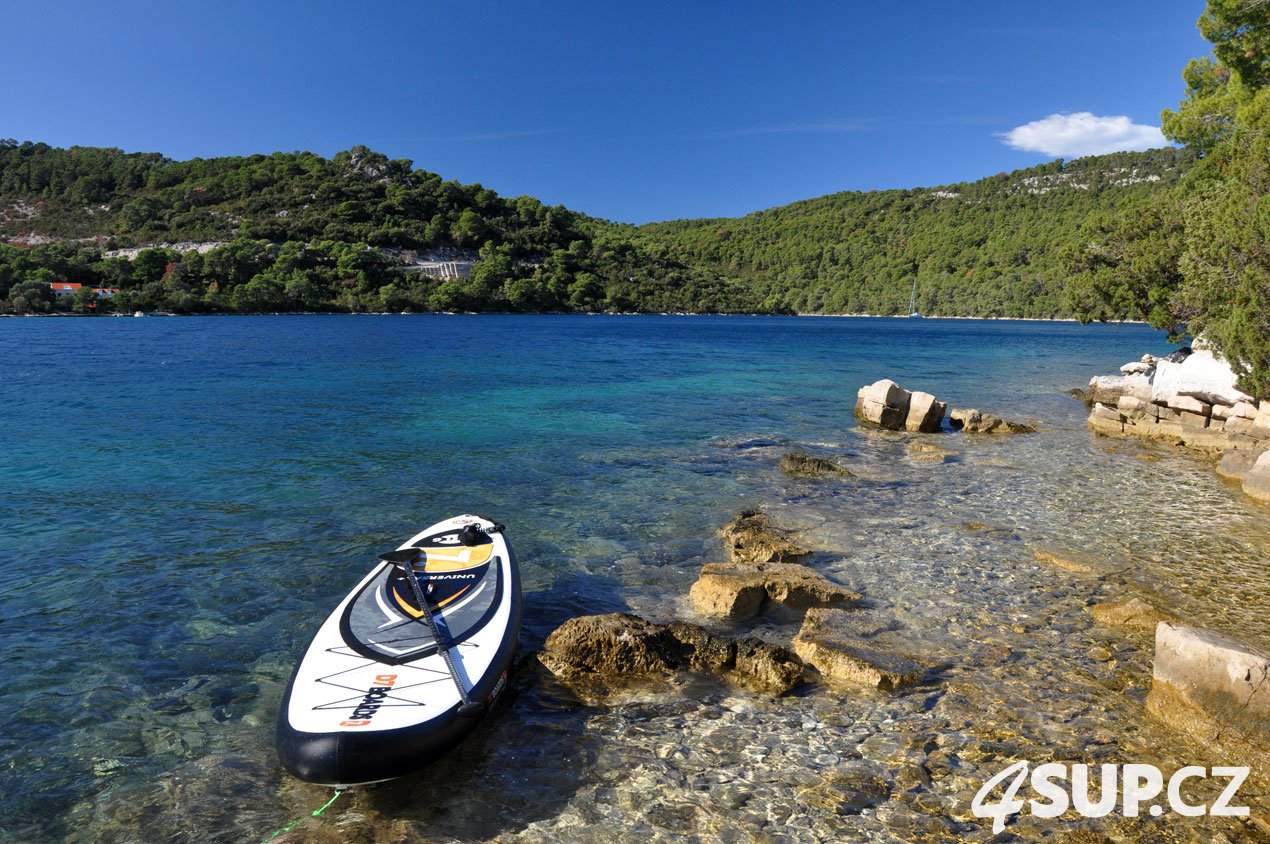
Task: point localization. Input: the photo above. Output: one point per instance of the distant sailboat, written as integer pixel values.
(912, 302)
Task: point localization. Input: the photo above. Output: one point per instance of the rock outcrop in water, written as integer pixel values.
(752, 538)
(1216, 689)
(1189, 400)
(973, 421)
(827, 643)
(796, 464)
(737, 591)
(888, 405)
(600, 655)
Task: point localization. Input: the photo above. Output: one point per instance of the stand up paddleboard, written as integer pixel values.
(409, 661)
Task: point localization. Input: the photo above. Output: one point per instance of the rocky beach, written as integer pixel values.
(1203, 686)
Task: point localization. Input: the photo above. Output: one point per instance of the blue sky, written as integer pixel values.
(634, 112)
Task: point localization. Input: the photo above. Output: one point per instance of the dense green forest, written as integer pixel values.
(296, 231)
(1196, 258)
(988, 248)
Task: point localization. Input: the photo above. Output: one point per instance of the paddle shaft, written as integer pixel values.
(442, 647)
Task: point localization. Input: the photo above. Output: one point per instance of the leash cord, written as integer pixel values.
(312, 814)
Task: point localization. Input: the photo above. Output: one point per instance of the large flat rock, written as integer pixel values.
(736, 591)
(602, 655)
(1217, 689)
(752, 538)
(828, 642)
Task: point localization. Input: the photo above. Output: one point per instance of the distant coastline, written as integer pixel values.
(63, 315)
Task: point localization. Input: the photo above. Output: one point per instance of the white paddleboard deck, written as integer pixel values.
(372, 697)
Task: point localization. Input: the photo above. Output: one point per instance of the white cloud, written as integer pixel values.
(1083, 133)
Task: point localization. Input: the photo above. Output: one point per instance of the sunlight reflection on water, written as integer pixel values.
(207, 494)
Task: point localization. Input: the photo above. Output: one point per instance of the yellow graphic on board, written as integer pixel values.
(447, 560)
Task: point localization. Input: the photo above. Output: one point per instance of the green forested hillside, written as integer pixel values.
(987, 248)
(296, 231)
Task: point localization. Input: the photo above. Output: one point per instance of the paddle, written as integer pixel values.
(406, 558)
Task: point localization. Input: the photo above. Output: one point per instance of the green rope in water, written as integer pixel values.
(312, 814)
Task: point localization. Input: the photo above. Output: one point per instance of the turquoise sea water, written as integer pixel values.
(183, 499)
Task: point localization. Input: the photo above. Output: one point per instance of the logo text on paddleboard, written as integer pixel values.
(371, 702)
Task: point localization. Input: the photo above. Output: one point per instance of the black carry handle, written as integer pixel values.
(401, 556)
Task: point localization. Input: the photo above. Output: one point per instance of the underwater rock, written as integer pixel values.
(799, 465)
(752, 538)
(846, 792)
(826, 643)
(973, 421)
(927, 452)
(598, 655)
(749, 443)
(1133, 612)
(736, 591)
(1216, 689)
(1073, 562)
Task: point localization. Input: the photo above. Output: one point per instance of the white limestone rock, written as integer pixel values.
(1215, 688)
(1244, 410)
(1203, 376)
(925, 413)
(1257, 480)
(1190, 404)
(1131, 404)
(883, 403)
(1262, 419)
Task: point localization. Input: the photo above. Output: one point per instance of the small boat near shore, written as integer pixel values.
(410, 660)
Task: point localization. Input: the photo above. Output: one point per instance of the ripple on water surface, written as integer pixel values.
(184, 500)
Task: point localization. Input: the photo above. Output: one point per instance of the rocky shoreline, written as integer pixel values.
(829, 657)
(1211, 687)
(1189, 400)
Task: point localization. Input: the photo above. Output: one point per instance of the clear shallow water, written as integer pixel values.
(184, 499)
